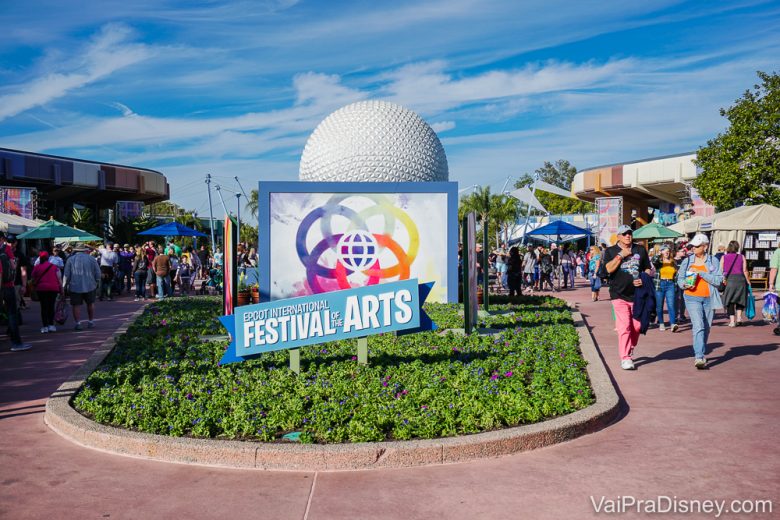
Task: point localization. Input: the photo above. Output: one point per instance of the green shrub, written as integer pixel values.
(162, 378)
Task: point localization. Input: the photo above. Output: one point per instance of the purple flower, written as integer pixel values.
(494, 377)
(508, 374)
(423, 407)
(354, 358)
(189, 396)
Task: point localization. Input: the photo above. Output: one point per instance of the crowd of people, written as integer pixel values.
(537, 268)
(673, 283)
(683, 278)
(82, 275)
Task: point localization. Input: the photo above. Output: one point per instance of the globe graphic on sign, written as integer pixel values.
(357, 250)
(373, 141)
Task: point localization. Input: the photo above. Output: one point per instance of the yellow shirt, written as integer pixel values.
(667, 271)
(702, 288)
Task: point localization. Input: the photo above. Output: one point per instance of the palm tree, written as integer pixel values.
(252, 203)
(503, 213)
(479, 201)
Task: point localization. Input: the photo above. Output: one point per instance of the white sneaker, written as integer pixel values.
(627, 364)
(52, 328)
(136, 299)
(661, 326)
(44, 330)
(675, 327)
(701, 364)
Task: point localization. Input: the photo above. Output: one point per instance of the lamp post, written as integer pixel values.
(211, 214)
(238, 216)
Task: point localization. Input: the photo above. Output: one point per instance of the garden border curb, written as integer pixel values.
(62, 418)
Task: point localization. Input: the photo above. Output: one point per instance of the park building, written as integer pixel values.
(649, 189)
(37, 186)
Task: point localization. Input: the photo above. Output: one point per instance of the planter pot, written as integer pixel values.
(255, 297)
(243, 298)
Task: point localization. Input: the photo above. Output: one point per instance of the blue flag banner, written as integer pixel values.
(331, 316)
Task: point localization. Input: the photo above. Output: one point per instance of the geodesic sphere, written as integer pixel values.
(373, 141)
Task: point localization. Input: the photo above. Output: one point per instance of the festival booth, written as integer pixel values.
(738, 223)
(755, 228)
(15, 225)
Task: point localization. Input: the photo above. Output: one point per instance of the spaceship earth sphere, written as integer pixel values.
(373, 141)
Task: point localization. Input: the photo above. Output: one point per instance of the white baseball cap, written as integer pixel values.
(699, 239)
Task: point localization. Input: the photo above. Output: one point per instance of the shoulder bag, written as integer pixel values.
(32, 286)
(722, 286)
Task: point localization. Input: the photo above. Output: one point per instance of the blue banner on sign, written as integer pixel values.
(309, 320)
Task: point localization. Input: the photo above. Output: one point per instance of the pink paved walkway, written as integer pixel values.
(685, 433)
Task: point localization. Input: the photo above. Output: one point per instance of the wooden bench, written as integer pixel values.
(758, 276)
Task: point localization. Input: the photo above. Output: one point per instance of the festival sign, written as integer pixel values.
(610, 212)
(318, 237)
(319, 318)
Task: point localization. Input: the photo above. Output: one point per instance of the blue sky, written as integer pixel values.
(235, 88)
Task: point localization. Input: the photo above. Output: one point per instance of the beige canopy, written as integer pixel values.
(687, 226)
(14, 224)
(732, 224)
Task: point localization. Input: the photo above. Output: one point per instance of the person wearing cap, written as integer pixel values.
(9, 295)
(624, 262)
(665, 286)
(700, 275)
(47, 282)
(81, 279)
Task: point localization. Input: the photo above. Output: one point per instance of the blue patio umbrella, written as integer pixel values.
(560, 231)
(172, 229)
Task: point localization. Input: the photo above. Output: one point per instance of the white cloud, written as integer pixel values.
(443, 126)
(428, 86)
(323, 90)
(107, 53)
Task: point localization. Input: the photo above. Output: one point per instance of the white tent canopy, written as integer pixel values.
(14, 224)
(689, 225)
(526, 196)
(732, 224)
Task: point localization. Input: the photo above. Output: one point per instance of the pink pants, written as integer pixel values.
(627, 327)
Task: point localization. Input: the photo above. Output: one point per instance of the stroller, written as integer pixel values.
(213, 282)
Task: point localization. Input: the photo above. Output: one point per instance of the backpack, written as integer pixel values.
(9, 274)
(547, 265)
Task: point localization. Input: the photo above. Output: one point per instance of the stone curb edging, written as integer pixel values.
(68, 423)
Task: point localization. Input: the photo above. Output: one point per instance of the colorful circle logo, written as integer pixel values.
(365, 251)
(357, 250)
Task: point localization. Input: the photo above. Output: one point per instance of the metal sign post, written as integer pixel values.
(485, 266)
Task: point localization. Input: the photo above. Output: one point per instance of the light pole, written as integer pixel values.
(211, 214)
(219, 192)
(238, 216)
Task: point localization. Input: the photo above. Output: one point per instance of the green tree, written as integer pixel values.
(742, 165)
(252, 203)
(82, 219)
(561, 174)
(499, 210)
(166, 208)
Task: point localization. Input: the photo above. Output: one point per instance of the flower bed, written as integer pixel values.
(161, 378)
